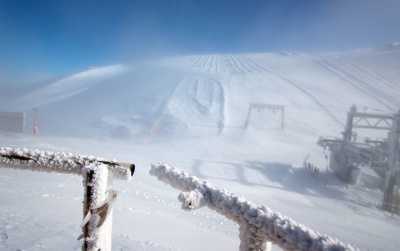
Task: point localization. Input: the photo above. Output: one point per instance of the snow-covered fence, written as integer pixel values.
(98, 176)
(259, 227)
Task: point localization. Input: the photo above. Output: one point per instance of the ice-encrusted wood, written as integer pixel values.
(258, 225)
(61, 162)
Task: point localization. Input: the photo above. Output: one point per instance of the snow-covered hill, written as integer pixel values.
(179, 95)
(190, 112)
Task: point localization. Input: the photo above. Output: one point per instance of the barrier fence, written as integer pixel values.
(12, 122)
(259, 227)
(98, 193)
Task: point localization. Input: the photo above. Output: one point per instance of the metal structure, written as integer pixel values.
(12, 122)
(262, 107)
(35, 124)
(347, 155)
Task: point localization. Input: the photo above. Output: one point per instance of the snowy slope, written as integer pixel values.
(189, 112)
(179, 94)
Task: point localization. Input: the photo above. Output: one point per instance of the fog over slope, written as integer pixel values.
(190, 112)
(179, 95)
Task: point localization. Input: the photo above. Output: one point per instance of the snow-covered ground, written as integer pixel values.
(189, 112)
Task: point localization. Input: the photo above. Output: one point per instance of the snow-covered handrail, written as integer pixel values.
(45, 161)
(98, 176)
(258, 224)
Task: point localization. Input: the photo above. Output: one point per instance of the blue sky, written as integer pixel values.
(47, 38)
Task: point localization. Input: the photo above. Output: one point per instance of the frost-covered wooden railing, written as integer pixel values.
(259, 227)
(98, 176)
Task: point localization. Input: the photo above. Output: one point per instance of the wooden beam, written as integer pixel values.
(45, 161)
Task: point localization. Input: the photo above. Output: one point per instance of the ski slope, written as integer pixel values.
(190, 112)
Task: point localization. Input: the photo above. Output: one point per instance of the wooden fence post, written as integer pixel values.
(98, 175)
(97, 222)
(250, 241)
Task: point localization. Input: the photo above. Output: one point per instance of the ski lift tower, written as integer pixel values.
(347, 155)
(35, 124)
(262, 107)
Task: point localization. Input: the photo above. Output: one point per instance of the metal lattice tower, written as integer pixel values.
(347, 155)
